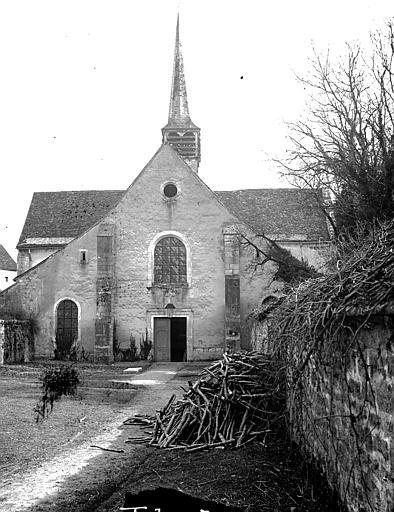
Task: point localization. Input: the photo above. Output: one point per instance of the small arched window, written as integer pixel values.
(66, 325)
(170, 261)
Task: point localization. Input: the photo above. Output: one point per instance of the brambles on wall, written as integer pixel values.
(18, 341)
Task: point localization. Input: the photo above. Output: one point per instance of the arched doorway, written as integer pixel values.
(66, 327)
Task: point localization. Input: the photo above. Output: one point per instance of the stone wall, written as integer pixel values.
(16, 341)
(341, 411)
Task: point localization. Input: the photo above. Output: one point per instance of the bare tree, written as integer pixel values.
(345, 145)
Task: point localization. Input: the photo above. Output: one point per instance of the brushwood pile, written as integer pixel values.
(236, 400)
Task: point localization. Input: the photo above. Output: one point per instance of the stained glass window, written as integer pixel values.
(170, 261)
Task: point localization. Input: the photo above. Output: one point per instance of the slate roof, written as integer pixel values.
(6, 262)
(66, 214)
(281, 213)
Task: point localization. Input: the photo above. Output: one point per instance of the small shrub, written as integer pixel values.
(145, 346)
(125, 354)
(56, 382)
(133, 349)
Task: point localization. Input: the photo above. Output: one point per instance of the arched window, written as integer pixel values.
(66, 326)
(170, 266)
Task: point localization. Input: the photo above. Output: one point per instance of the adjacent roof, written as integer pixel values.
(55, 217)
(279, 213)
(6, 262)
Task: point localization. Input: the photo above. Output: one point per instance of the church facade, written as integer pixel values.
(160, 267)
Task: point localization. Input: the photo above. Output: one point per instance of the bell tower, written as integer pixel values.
(180, 131)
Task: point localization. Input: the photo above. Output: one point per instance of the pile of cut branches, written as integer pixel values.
(235, 400)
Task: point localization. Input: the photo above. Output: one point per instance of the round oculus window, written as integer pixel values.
(170, 190)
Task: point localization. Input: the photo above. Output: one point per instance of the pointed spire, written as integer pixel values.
(179, 109)
(180, 132)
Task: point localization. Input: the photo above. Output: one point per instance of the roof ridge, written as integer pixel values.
(78, 191)
(267, 188)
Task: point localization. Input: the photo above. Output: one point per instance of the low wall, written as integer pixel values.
(16, 341)
(341, 409)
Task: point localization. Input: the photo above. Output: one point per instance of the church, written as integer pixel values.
(161, 267)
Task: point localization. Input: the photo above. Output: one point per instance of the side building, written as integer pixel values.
(7, 269)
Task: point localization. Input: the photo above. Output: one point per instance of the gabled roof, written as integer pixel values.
(279, 213)
(56, 217)
(6, 262)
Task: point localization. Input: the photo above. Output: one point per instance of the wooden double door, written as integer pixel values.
(169, 338)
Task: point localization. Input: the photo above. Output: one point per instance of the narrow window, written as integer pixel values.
(170, 261)
(83, 256)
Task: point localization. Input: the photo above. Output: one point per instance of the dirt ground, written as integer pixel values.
(51, 464)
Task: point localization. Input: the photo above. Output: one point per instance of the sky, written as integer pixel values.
(85, 87)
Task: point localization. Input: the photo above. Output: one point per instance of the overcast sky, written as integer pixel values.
(85, 87)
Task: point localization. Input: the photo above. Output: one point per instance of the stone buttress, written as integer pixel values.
(103, 349)
(232, 289)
